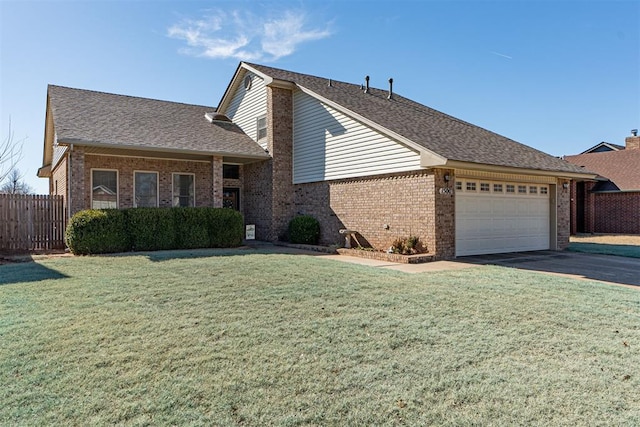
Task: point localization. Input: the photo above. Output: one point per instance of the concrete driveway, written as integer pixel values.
(611, 269)
(604, 268)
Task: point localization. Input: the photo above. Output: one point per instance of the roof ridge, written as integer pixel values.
(410, 103)
(126, 96)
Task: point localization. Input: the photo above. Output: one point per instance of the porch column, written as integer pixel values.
(216, 174)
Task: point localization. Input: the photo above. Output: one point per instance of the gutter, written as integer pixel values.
(71, 141)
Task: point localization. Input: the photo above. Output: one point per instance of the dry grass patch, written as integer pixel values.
(608, 239)
(246, 338)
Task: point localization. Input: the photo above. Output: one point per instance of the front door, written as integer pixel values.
(231, 198)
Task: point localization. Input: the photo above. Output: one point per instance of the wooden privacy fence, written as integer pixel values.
(31, 223)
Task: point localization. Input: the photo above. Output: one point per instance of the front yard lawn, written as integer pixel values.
(240, 337)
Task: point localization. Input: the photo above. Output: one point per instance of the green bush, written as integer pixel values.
(225, 228)
(191, 228)
(304, 229)
(149, 229)
(97, 232)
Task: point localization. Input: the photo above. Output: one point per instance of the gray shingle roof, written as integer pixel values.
(440, 133)
(97, 118)
(620, 167)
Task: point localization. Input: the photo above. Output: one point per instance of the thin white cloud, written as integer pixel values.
(501, 54)
(245, 36)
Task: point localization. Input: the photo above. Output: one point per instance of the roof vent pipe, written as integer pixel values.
(329, 83)
(390, 89)
(366, 80)
(634, 132)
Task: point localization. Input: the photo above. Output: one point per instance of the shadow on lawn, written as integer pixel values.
(605, 249)
(257, 249)
(23, 272)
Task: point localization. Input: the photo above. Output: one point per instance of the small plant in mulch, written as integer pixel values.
(408, 246)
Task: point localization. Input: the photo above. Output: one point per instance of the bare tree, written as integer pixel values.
(10, 154)
(15, 184)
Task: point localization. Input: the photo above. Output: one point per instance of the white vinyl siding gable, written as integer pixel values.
(328, 145)
(247, 105)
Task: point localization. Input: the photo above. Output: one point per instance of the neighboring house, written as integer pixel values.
(354, 157)
(612, 203)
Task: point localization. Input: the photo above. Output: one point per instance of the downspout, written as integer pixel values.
(69, 183)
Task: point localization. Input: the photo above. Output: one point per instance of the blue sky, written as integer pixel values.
(560, 76)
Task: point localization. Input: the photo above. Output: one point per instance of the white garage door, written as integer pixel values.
(497, 217)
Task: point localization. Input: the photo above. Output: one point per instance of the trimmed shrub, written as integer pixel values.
(97, 232)
(304, 229)
(151, 229)
(225, 228)
(408, 246)
(191, 229)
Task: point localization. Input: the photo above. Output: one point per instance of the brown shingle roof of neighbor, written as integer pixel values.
(439, 133)
(104, 119)
(620, 167)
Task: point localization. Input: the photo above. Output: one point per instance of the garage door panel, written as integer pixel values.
(501, 222)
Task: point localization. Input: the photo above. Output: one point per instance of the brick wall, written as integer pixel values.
(406, 203)
(258, 197)
(81, 181)
(58, 180)
(617, 212)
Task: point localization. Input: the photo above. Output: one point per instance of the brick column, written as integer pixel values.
(445, 214)
(589, 208)
(563, 214)
(280, 146)
(217, 181)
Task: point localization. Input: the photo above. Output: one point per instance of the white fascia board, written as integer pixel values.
(456, 164)
(429, 156)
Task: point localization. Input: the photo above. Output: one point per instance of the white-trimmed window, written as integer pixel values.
(544, 190)
(533, 189)
(261, 128)
(145, 189)
(485, 187)
(511, 188)
(184, 192)
(104, 189)
(522, 189)
(497, 188)
(471, 186)
(459, 185)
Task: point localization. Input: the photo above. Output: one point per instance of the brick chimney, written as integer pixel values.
(633, 142)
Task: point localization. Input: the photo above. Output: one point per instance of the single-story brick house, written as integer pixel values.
(611, 204)
(282, 143)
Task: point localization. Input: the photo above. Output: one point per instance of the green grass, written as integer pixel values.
(249, 338)
(606, 249)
